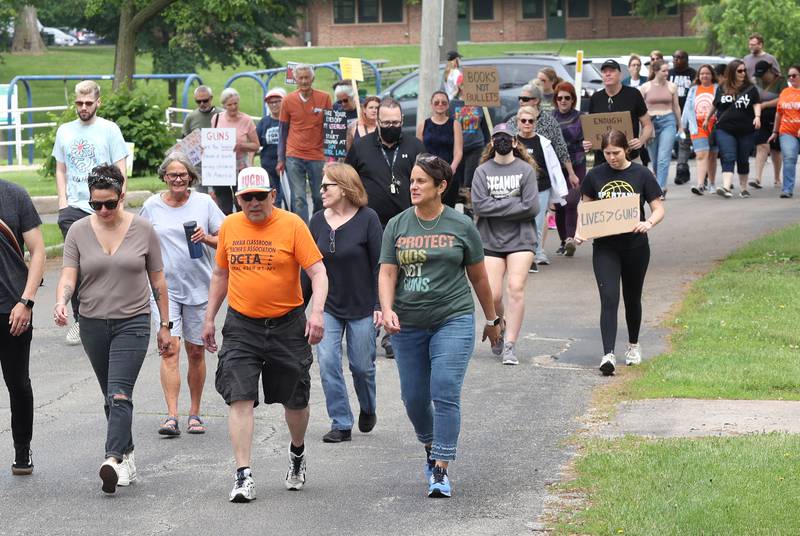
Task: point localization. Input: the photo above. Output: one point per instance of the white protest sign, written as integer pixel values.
(219, 160)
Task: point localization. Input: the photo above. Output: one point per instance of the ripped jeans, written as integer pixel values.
(116, 350)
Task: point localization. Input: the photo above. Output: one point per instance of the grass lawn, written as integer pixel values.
(52, 234)
(38, 185)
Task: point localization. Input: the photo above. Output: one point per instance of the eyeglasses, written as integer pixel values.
(202, 101)
(176, 176)
(795, 75)
(325, 185)
(527, 121)
(332, 244)
(87, 104)
(440, 103)
(110, 205)
(527, 99)
(258, 196)
(610, 104)
(564, 98)
(387, 124)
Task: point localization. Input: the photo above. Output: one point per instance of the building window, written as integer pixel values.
(482, 9)
(532, 9)
(368, 11)
(667, 7)
(579, 9)
(621, 8)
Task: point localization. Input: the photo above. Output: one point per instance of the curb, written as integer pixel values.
(48, 204)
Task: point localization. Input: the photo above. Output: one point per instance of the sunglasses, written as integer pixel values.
(258, 196)
(325, 185)
(440, 103)
(795, 75)
(564, 98)
(202, 101)
(610, 104)
(741, 70)
(343, 101)
(87, 104)
(110, 205)
(426, 158)
(527, 121)
(527, 99)
(332, 244)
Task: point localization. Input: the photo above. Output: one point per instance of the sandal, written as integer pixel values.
(170, 427)
(198, 427)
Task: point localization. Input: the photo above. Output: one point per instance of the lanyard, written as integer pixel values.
(394, 185)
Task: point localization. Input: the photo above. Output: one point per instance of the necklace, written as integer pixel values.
(435, 223)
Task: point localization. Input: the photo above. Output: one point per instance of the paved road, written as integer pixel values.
(515, 419)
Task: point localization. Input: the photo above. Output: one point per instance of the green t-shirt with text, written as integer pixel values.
(432, 285)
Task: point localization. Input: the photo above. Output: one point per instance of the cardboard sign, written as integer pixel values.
(607, 217)
(481, 86)
(290, 65)
(595, 125)
(334, 127)
(191, 146)
(219, 160)
(351, 69)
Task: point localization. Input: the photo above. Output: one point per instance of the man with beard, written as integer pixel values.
(81, 145)
(201, 118)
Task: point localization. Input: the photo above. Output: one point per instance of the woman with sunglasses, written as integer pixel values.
(368, 122)
(699, 101)
(505, 200)
(569, 119)
(119, 259)
(346, 100)
(737, 110)
(429, 251)
(348, 233)
(787, 129)
(442, 136)
(188, 274)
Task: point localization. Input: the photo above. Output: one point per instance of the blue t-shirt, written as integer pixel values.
(82, 147)
(268, 130)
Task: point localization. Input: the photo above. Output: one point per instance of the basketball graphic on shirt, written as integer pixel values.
(82, 156)
(614, 189)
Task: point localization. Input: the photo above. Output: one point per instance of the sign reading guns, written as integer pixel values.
(607, 217)
(595, 125)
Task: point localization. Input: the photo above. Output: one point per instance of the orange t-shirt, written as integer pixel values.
(703, 102)
(789, 108)
(305, 120)
(263, 262)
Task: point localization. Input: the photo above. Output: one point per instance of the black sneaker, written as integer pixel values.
(698, 190)
(336, 436)
(386, 343)
(744, 193)
(754, 184)
(786, 195)
(23, 461)
(533, 269)
(562, 249)
(366, 422)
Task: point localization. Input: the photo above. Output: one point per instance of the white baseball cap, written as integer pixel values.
(275, 92)
(253, 179)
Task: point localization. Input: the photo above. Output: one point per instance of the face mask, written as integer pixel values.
(502, 145)
(391, 134)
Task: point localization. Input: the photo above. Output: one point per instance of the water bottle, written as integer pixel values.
(195, 249)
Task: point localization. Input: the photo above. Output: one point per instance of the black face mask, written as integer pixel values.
(502, 145)
(391, 134)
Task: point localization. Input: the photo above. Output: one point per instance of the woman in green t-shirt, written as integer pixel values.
(428, 252)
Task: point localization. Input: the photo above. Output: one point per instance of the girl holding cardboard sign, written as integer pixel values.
(621, 257)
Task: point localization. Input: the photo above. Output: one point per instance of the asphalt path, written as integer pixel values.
(515, 424)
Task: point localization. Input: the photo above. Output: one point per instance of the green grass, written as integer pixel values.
(35, 184)
(52, 234)
(736, 335)
(731, 486)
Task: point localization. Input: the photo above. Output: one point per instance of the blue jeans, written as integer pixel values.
(735, 150)
(432, 364)
(539, 219)
(297, 170)
(790, 145)
(660, 146)
(360, 335)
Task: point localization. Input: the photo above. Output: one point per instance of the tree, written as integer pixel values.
(27, 38)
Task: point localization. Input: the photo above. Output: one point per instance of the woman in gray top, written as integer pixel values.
(119, 258)
(504, 198)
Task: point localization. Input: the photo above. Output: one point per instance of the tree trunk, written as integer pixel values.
(125, 52)
(27, 39)
(450, 41)
(429, 77)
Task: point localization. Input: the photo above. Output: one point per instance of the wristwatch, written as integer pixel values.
(26, 302)
(495, 322)
(167, 325)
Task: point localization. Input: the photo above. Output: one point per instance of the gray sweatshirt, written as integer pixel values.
(504, 201)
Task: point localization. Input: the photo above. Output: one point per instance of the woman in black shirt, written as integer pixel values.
(737, 107)
(623, 256)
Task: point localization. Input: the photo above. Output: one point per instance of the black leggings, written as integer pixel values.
(611, 265)
(15, 359)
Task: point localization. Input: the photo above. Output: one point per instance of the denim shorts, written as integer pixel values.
(700, 145)
(275, 349)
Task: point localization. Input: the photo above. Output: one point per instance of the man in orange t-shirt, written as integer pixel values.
(301, 139)
(259, 255)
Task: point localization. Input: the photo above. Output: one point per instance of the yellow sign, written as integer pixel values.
(351, 69)
(579, 62)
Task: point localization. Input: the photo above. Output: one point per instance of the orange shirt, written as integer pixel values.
(305, 120)
(789, 108)
(263, 262)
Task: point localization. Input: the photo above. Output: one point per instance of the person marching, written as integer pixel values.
(787, 129)
(698, 105)
(442, 136)
(428, 253)
(505, 200)
(188, 274)
(622, 257)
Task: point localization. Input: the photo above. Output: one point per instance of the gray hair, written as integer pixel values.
(182, 159)
(533, 90)
(304, 67)
(227, 93)
(344, 89)
(203, 89)
(88, 86)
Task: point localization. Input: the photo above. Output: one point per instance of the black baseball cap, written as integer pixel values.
(762, 67)
(610, 64)
(453, 54)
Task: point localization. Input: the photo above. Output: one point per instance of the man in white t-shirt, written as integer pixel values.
(81, 145)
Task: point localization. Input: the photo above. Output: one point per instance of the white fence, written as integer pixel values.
(18, 126)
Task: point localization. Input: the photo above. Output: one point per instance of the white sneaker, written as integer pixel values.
(244, 488)
(74, 334)
(608, 364)
(633, 355)
(509, 358)
(109, 474)
(296, 475)
(127, 470)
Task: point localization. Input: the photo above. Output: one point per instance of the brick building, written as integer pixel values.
(390, 22)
